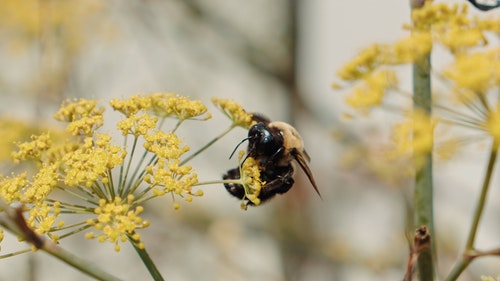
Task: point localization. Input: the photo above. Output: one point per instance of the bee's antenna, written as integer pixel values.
(232, 153)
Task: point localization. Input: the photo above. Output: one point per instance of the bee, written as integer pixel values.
(275, 145)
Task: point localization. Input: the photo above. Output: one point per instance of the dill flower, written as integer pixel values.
(251, 180)
(91, 162)
(371, 90)
(475, 72)
(235, 112)
(107, 181)
(410, 49)
(162, 105)
(42, 218)
(137, 125)
(13, 130)
(10, 187)
(44, 181)
(132, 105)
(115, 220)
(33, 149)
(474, 75)
(366, 61)
(183, 108)
(83, 116)
(414, 137)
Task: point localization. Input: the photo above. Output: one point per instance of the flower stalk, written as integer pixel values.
(470, 252)
(146, 259)
(423, 194)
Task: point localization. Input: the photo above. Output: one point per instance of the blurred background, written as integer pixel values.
(278, 58)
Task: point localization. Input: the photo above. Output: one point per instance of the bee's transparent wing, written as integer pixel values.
(302, 159)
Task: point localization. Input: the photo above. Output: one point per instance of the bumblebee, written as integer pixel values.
(275, 145)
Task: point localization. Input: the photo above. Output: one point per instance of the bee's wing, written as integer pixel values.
(306, 156)
(259, 118)
(302, 159)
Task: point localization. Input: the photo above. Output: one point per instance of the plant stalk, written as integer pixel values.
(423, 194)
(467, 257)
(146, 259)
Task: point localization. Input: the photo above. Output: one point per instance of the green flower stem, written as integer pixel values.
(146, 259)
(124, 177)
(15, 253)
(208, 144)
(482, 198)
(76, 262)
(236, 181)
(469, 252)
(423, 194)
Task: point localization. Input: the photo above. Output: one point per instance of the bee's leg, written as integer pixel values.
(279, 185)
(234, 189)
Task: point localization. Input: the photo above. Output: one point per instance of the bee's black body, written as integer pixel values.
(274, 145)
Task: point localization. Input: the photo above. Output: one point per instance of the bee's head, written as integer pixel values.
(264, 140)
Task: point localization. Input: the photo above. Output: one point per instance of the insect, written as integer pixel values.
(275, 145)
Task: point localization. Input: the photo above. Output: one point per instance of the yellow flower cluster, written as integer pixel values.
(11, 187)
(109, 181)
(44, 182)
(183, 108)
(137, 125)
(167, 175)
(235, 112)
(117, 219)
(434, 23)
(165, 145)
(250, 180)
(12, 131)
(21, 20)
(43, 216)
(370, 68)
(91, 161)
(132, 105)
(414, 137)
(162, 105)
(475, 73)
(83, 116)
(408, 50)
(371, 92)
(452, 26)
(32, 150)
(250, 172)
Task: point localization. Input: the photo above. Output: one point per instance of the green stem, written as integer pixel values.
(127, 170)
(76, 262)
(208, 145)
(146, 259)
(466, 258)
(423, 194)
(236, 181)
(482, 198)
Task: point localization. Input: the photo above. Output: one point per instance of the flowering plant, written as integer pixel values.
(106, 185)
(473, 77)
